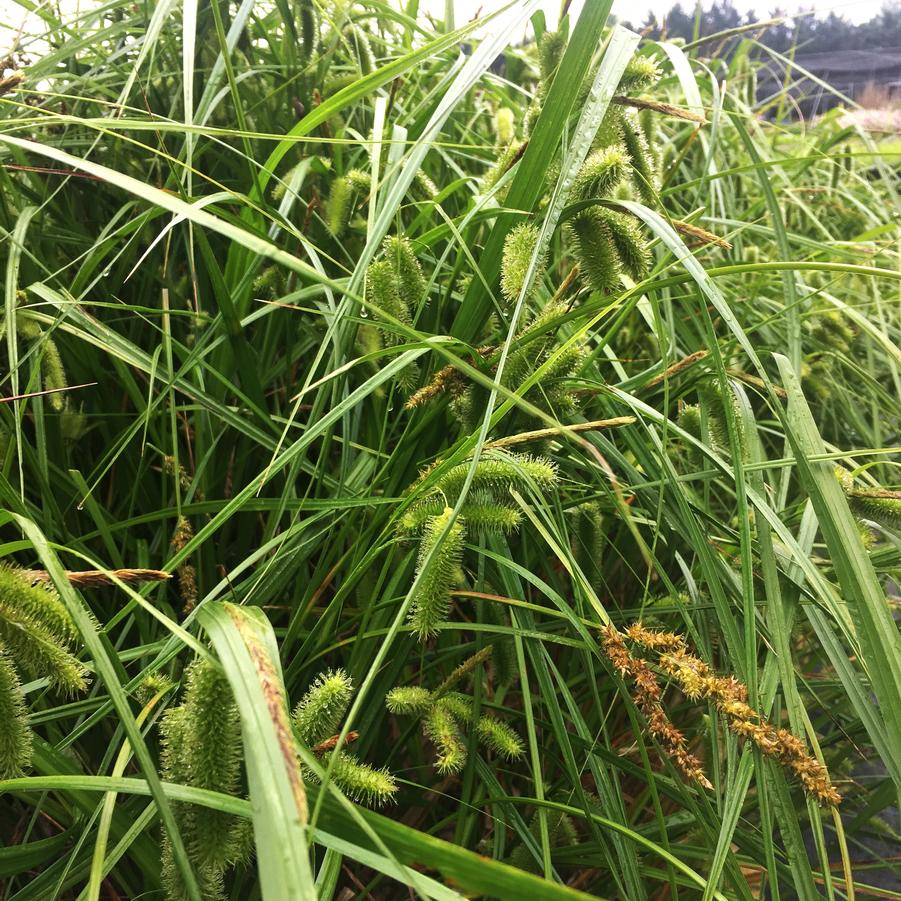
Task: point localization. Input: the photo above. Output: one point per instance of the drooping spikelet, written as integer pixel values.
(879, 505)
(359, 781)
(38, 632)
(431, 602)
(15, 734)
(186, 573)
(598, 260)
(411, 286)
(446, 713)
(644, 172)
(550, 51)
(604, 169)
(309, 28)
(339, 205)
(497, 474)
(441, 729)
(54, 375)
(519, 245)
(383, 291)
(631, 247)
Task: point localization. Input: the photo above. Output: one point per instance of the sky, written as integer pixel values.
(634, 11)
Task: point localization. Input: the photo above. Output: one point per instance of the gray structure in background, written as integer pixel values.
(846, 71)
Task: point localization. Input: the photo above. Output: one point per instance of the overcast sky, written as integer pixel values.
(11, 14)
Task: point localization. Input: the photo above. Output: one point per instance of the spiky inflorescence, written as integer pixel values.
(408, 699)
(588, 540)
(431, 601)
(598, 260)
(15, 734)
(715, 398)
(876, 504)
(644, 167)
(319, 713)
(441, 729)
(339, 205)
(519, 245)
(647, 695)
(504, 126)
(497, 474)
(202, 748)
(54, 375)
(309, 28)
(550, 51)
(629, 242)
(604, 169)
(38, 632)
(317, 721)
(359, 42)
(641, 73)
(444, 713)
(186, 573)
(358, 781)
(411, 285)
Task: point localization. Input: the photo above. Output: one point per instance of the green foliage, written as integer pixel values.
(247, 419)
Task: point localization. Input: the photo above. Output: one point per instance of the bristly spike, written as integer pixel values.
(15, 734)
(431, 602)
(550, 51)
(409, 699)
(319, 713)
(519, 245)
(339, 205)
(500, 738)
(644, 168)
(601, 173)
(363, 783)
(631, 247)
(597, 254)
(641, 73)
(411, 285)
(442, 731)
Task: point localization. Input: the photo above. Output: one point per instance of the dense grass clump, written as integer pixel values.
(519, 429)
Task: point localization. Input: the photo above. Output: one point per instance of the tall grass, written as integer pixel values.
(215, 367)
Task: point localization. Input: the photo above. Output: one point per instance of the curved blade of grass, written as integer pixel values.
(245, 643)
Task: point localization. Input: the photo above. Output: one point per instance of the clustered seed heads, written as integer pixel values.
(343, 196)
(202, 748)
(488, 508)
(726, 693)
(37, 637)
(711, 410)
(444, 714)
(317, 721)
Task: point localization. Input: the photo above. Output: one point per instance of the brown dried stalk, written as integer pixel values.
(99, 578)
(667, 109)
(700, 234)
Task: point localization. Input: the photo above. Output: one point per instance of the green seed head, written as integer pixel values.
(519, 246)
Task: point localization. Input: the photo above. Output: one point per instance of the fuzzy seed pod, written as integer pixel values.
(880, 509)
(54, 375)
(320, 711)
(504, 126)
(38, 632)
(15, 734)
(601, 172)
(643, 163)
(382, 290)
(499, 737)
(441, 729)
(408, 699)
(519, 245)
(425, 185)
(360, 782)
(597, 255)
(641, 74)
(714, 399)
(411, 285)
(497, 475)
(492, 517)
(588, 540)
(431, 602)
(504, 161)
(362, 49)
(419, 514)
(309, 28)
(550, 51)
(631, 247)
(202, 748)
(340, 205)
